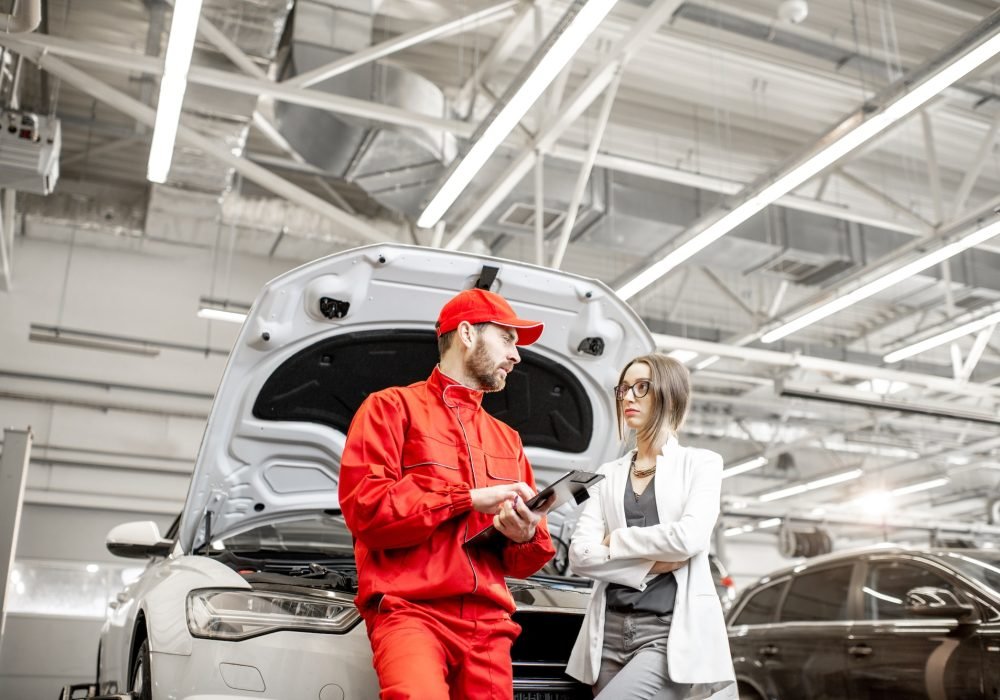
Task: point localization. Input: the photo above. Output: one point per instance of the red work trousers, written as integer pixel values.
(450, 649)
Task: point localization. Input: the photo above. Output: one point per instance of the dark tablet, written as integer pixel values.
(571, 486)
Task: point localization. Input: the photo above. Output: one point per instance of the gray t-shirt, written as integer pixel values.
(658, 596)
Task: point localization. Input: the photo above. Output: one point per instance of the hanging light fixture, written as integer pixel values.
(173, 85)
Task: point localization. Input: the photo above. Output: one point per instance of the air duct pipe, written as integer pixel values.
(26, 17)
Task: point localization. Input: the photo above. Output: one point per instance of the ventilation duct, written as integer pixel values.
(395, 165)
(256, 27)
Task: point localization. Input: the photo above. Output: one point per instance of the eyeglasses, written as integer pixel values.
(639, 389)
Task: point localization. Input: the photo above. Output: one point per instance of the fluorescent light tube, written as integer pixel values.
(942, 338)
(495, 131)
(921, 486)
(852, 132)
(707, 362)
(882, 386)
(744, 467)
(222, 310)
(884, 282)
(812, 485)
(220, 315)
(682, 356)
(770, 522)
(173, 83)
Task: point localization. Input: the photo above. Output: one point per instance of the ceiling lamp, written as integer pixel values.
(222, 310)
(744, 467)
(173, 84)
(962, 329)
(812, 485)
(883, 282)
(580, 20)
(921, 486)
(900, 99)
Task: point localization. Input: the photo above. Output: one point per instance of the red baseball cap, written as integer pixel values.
(481, 306)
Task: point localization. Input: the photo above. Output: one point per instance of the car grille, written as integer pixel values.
(575, 694)
(540, 654)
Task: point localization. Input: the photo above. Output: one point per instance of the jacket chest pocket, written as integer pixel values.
(502, 469)
(431, 457)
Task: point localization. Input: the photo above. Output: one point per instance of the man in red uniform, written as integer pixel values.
(425, 468)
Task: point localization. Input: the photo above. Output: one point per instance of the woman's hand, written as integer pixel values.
(665, 567)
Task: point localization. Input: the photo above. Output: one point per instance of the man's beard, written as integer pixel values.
(483, 371)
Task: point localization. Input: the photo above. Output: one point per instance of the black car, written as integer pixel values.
(879, 623)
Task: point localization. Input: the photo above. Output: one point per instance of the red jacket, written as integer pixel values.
(412, 455)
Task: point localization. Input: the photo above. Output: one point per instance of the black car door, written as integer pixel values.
(899, 654)
(750, 633)
(803, 654)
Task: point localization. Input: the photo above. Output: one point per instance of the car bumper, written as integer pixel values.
(274, 666)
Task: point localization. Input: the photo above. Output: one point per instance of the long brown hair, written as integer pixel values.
(670, 384)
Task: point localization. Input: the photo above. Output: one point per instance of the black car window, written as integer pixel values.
(818, 596)
(887, 584)
(326, 382)
(761, 606)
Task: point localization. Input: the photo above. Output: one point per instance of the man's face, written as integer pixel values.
(492, 357)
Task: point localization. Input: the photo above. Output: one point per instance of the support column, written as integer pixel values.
(13, 476)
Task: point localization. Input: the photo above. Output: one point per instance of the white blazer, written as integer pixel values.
(687, 488)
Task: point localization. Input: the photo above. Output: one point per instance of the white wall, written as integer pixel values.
(42, 654)
(748, 557)
(104, 455)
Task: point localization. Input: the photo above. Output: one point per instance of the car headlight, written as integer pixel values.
(216, 613)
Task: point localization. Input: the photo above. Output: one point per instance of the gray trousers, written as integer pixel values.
(634, 659)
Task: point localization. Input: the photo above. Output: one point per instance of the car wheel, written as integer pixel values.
(142, 685)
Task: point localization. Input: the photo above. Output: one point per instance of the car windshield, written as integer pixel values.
(322, 533)
(981, 566)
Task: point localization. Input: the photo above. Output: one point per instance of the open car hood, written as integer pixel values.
(321, 338)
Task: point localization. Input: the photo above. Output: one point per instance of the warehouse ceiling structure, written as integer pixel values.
(791, 194)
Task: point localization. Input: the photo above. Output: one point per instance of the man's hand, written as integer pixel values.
(665, 567)
(489, 499)
(516, 521)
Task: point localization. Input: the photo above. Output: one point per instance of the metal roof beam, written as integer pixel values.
(643, 29)
(474, 20)
(820, 364)
(251, 171)
(131, 63)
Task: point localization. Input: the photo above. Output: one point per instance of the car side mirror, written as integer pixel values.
(137, 540)
(928, 601)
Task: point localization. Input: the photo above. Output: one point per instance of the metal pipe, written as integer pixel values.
(498, 54)
(859, 184)
(973, 171)
(7, 238)
(540, 209)
(933, 171)
(471, 21)
(25, 18)
(585, 169)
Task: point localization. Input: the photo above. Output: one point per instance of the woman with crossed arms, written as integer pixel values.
(654, 627)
